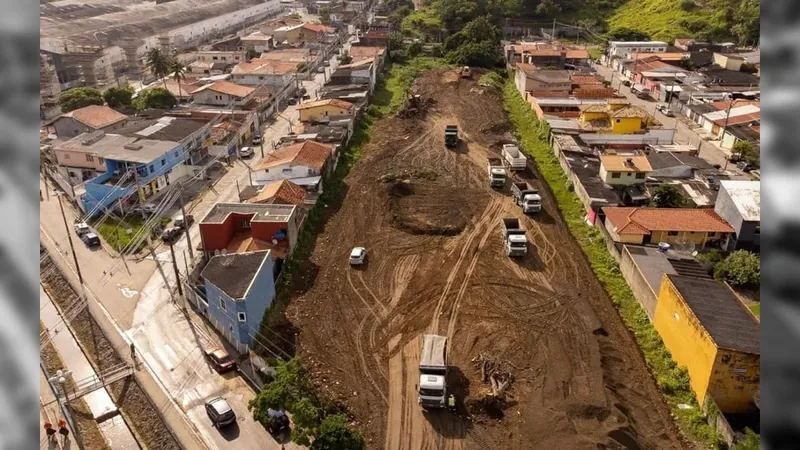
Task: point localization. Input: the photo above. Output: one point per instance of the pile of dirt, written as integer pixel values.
(436, 265)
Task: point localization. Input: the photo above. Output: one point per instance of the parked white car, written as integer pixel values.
(246, 152)
(357, 256)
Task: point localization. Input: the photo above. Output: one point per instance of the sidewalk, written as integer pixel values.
(49, 411)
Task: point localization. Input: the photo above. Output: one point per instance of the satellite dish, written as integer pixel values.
(216, 252)
(684, 247)
(274, 242)
(224, 251)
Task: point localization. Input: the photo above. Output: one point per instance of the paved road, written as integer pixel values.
(683, 133)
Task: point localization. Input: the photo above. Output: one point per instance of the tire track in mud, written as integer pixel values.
(358, 338)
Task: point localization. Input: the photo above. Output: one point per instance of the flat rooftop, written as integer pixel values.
(146, 151)
(746, 196)
(263, 212)
(109, 22)
(119, 147)
(166, 128)
(234, 273)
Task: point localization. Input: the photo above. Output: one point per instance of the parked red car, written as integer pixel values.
(222, 360)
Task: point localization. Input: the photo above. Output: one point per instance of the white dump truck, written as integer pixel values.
(432, 389)
(513, 157)
(526, 197)
(497, 173)
(514, 239)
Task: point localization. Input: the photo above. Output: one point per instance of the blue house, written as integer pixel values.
(239, 288)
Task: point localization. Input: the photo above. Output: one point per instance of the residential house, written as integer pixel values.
(614, 117)
(623, 49)
(206, 68)
(728, 61)
(303, 163)
(81, 156)
(362, 53)
(223, 93)
(546, 58)
(301, 34)
(357, 94)
(282, 192)
(264, 72)
(739, 204)
(561, 107)
(729, 113)
(709, 331)
(373, 39)
(644, 226)
(746, 132)
(576, 58)
(361, 72)
(552, 82)
(246, 227)
(624, 170)
(268, 28)
(88, 119)
(182, 91)
(582, 168)
(229, 57)
(321, 110)
(675, 165)
(289, 55)
(257, 42)
(239, 288)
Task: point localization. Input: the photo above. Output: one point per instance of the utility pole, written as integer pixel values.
(175, 267)
(553, 35)
(724, 127)
(185, 224)
(71, 245)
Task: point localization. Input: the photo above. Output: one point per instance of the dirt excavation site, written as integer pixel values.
(436, 264)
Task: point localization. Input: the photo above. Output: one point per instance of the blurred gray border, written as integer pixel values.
(19, 167)
(780, 217)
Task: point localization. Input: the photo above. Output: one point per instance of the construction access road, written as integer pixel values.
(436, 264)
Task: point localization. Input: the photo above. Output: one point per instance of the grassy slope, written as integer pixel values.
(661, 19)
(672, 381)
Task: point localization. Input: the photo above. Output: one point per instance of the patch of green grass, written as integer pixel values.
(115, 231)
(663, 20)
(491, 79)
(672, 380)
(594, 52)
(756, 308)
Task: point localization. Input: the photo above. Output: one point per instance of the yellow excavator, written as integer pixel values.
(466, 72)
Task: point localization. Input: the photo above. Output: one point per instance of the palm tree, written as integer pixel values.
(158, 63)
(178, 74)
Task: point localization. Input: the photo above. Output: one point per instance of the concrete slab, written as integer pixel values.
(118, 435)
(99, 402)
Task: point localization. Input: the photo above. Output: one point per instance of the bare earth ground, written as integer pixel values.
(431, 225)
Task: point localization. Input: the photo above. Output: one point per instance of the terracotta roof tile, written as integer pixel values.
(577, 54)
(629, 111)
(264, 67)
(617, 163)
(327, 102)
(308, 153)
(282, 192)
(226, 87)
(647, 220)
(96, 116)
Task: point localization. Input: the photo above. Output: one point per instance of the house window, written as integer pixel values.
(619, 120)
(89, 158)
(640, 176)
(214, 58)
(757, 231)
(100, 160)
(224, 58)
(176, 153)
(152, 168)
(163, 162)
(615, 174)
(222, 305)
(310, 172)
(241, 316)
(287, 170)
(672, 233)
(260, 78)
(245, 224)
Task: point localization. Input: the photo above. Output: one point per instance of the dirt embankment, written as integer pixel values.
(436, 264)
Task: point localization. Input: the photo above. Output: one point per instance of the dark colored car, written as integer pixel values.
(221, 360)
(256, 139)
(278, 421)
(91, 239)
(220, 412)
(184, 222)
(293, 101)
(170, 234)
(744, 166)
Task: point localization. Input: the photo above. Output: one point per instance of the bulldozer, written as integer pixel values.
(466, 72)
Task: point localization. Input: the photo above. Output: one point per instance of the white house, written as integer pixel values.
(622, 49)
(266, 72)
(303, 164)
(223, 93)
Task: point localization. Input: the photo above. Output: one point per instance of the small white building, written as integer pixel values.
(223, 93)
(264, 72)
(623, 49)
(304, 164)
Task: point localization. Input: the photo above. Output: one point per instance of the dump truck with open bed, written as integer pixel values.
(432, 388)
(451, 135)
(497, 173)
(526, 197)
(514, 239)
(513, 157)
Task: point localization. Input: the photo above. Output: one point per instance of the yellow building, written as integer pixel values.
(615, 117)
(323, 109)
(708, 331)
(622, 170)
(672, 225)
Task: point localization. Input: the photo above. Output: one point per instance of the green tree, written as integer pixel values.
(156, 98)
(747, 21)
(178, 74)
(118, 97)
(306, 419)
(548, 8)
(746, 151)
(395, 41)
(667, 196)
(740, 268)
(325, 14)
(626, 34)
(79, 97)
(414, 49)
(477, 54)
(335, 434)
(290, 385)
(251, 54)
(158, 63)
